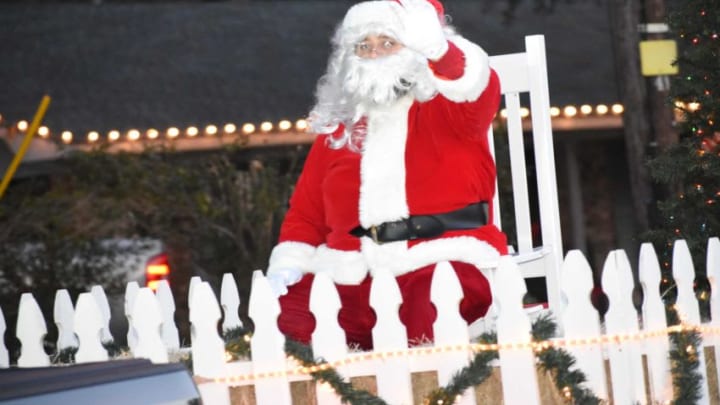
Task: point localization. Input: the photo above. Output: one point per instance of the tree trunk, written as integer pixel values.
(624, 19)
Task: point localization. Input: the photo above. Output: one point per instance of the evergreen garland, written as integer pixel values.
(473, 374)
(559, 362)
(237, 343)
(685, 362)
(345, 390)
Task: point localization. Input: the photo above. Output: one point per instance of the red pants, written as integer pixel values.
(357, 318)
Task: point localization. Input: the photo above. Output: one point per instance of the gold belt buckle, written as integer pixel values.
(374, 234)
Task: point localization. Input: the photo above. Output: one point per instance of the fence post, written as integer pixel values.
(513, 326)
(31, 329)
(267, 343)
(131, 291)
(449, 327)
(99, 294)
(686, 303)
(63, 314)
(230, 301)
(147, 318)
(654, 319)
(625, 356)
(88, 326)
(394, 383)
(208, 350)
(580, 320)
(4, 357)
(170, 337)
(713, 275)
(328, 338)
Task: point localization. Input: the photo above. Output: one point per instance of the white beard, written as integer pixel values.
(381, 81)
(353, 86)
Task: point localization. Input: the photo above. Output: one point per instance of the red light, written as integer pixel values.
(156, 269)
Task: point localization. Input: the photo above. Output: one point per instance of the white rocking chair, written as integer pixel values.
(526, 72)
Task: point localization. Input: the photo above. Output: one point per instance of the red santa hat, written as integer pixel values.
(377, 16)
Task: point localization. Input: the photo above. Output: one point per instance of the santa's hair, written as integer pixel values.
(343, 96)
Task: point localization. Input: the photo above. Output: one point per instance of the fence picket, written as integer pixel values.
(654, 319)
(513, 326)
(31, 329)
(89, 324)
(449, 327)
(394, 383)
(581, 321)
(4, 357)
(686, 303)
(131, 291)
(328, 338)
(148, 317)
(99, 294)
(713, 275)
(208, 349)
(267, 343)
(230, 302)
(169, 332)
(63, 315)
(621, 319)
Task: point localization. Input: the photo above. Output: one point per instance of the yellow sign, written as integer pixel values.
(657, 57)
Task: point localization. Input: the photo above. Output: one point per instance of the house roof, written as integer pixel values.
(149, 65)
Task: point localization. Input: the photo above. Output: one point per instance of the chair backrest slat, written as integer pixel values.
(526, 73)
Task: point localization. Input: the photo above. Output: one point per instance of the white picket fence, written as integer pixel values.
(621, 340)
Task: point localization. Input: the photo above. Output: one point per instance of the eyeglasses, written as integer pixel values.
(374, 46)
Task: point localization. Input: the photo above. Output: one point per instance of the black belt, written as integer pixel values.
(426, 226)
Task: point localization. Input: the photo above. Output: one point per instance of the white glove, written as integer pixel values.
(280, 279)
(422, 30)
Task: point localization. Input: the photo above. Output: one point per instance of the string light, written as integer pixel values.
(570, 111)
(539, 346)
(113, 135)
(43, 131)
(266, 126)
(211, 130)
(284, 125)
(66, 136)
(301, 125)
(248, 128)
(93, 136)
(229, 128)
(133, 134)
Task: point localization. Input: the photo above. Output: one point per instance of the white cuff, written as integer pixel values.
(293, 255)
(475, 77)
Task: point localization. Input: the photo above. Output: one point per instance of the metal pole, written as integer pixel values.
(25, 144)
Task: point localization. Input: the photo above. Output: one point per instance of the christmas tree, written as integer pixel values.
(690, 171)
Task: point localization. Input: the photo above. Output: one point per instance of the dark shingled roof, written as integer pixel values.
(140, 65)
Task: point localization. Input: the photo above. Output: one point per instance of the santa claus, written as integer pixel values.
(400, 176)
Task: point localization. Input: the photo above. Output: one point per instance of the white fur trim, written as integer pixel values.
(460, 248)
(370, 17)
(475, 77)
(382, 167)
(293, 255)
(345, 267)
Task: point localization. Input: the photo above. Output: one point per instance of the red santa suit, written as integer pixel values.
(416, 158)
